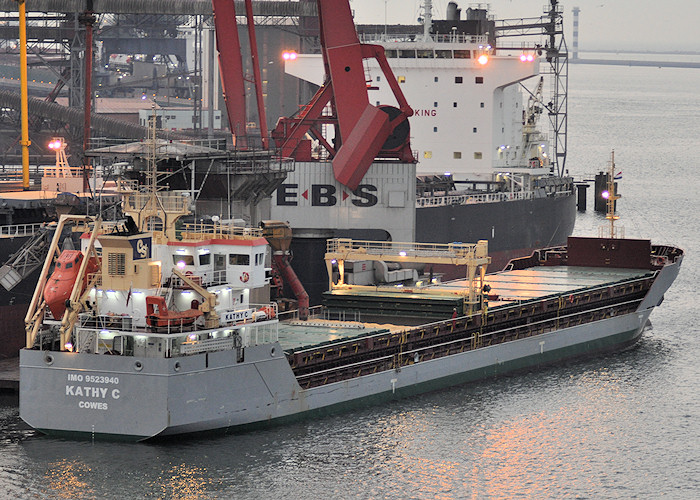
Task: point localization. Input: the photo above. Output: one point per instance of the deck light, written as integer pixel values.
(605, 194)
(289, 55)
(483, 59)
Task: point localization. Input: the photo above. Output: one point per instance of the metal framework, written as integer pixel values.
(474, 256)
(551, 25)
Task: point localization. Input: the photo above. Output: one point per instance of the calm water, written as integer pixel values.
(620, 426)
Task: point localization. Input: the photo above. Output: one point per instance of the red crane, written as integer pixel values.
(231, 67)
(363, 131)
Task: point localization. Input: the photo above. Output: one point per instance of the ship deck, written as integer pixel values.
(511, 287)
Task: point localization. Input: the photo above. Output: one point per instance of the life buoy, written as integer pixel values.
(571, 298)
(245, 277)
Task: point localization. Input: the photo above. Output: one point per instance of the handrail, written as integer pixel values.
(457, 38)
(469, 199)
(13, 230)
(400, 249)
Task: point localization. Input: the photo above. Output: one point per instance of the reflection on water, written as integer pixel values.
(183, 481)
(69, 479)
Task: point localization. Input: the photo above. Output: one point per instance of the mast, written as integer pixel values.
(427, 19)
(612, 197)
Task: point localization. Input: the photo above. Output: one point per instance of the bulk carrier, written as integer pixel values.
(153, 329)
(487, 131)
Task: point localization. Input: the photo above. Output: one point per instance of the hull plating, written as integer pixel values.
(106, 396)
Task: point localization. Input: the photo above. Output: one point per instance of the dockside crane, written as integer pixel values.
(363, 131)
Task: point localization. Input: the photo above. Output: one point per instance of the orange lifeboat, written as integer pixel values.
(159, 316)
(59, 285)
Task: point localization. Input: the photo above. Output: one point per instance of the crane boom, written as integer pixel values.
(363, 131)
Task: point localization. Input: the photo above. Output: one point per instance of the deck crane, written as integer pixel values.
(363, 131)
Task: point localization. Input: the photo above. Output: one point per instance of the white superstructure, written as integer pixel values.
(471, 118)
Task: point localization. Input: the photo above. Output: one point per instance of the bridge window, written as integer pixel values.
(443, 54)
(238, 259)
(407, 54)
(462, 54)
(205, 259)
(187, 259)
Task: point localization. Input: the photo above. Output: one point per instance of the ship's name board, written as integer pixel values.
(92, 392)
(326, 195)
(235, 316)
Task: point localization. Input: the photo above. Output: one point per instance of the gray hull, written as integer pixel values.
(163, 400)
(134, 399)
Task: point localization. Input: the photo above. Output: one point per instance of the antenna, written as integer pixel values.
(611, 196)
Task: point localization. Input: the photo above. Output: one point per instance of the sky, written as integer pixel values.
(649, 25)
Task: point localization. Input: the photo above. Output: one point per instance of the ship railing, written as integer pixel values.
(15, 230)
(109, 338)
(61, 171)
(170, 202)
(200, 230)
(469, 199)
(293, 315)
(419, 37)
(400, 249)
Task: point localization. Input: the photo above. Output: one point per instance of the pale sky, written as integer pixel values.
(672, 25)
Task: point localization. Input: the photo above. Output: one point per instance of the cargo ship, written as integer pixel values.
(157, 327)
(505, 183)
(488, 135)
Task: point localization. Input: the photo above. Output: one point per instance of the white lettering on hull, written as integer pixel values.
(92, 391)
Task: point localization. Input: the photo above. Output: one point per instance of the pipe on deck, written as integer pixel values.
(173, 7)
(290, 277)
